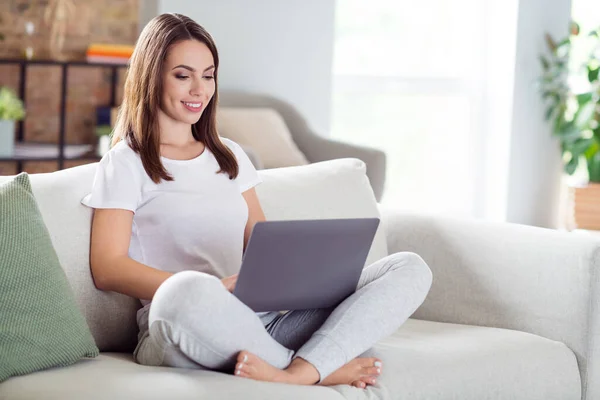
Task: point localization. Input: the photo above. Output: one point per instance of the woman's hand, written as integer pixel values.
(230, 282)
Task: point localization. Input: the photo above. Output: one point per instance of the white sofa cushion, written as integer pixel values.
(422, 361)
(330, 189)
(264, 131)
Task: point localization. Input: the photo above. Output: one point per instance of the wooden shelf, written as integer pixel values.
(50, 152)
(62, 148)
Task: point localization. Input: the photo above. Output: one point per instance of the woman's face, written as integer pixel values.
(188, 81)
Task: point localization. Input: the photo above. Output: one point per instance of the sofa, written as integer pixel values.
(315, 147)
(513, 312)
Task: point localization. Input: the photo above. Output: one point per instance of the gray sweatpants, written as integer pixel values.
(194, 322)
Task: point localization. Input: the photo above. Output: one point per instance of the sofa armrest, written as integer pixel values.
(321, 149)
(511, 276)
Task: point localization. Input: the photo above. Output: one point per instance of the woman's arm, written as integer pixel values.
(112, 269)
(255, 213)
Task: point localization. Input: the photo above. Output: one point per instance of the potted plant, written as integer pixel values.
(11, 110)
(571, 87)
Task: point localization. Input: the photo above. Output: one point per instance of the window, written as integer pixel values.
(407, 80)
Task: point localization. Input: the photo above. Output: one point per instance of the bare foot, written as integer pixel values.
(359, 372)
(299, 372)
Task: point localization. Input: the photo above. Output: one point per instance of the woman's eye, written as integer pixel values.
(182, 77)
(209, 77)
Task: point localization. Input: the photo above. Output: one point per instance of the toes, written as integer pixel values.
(243, 370)
(372, 371)
(371, 380)
(359, 384)
(243, 357)
(239, 367)
(243, 374)
(371, 362)
(243, 362)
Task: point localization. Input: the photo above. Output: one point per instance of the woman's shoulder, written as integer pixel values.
(122, 150)
(121, 154)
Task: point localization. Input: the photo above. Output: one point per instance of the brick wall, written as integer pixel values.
(106, 21)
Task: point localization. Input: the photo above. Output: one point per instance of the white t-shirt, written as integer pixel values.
(195, 222)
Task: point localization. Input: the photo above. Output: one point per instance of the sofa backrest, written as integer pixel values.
(331, 189)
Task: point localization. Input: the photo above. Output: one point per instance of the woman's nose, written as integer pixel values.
(197, 87)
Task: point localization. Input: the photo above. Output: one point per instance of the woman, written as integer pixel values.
(174, 207)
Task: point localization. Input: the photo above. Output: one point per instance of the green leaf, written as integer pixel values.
(545, 63)
(563, 48)
(594, 168)
(566, 41)
(550, 112)
(593, 74)
(592, 150)
(568, 132)
(583, 98)
(550, 42)
(584, 115)
(580, 146)
(571, 166)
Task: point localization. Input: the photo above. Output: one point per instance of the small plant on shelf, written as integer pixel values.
(11, 110)
(11, 107)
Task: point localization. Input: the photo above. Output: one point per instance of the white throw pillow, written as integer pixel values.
(264, 131)
(328, 189)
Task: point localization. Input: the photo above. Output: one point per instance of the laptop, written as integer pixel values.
(303, 264)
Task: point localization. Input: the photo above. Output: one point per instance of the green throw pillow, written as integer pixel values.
(41, 325)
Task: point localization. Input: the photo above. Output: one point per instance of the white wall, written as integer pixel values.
(535, 163)
(281, 48)
(499, 50)
(148, 10)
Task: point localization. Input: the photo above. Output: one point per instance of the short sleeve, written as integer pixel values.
(247, 176)
(116, 184)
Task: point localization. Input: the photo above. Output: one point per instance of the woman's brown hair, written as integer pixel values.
(137, 121)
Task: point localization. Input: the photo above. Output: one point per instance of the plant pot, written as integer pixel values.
(7, 138)
(586, 206)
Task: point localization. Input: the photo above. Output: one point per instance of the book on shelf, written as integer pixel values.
(107, 60)
(109, 54)
(117, 50)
